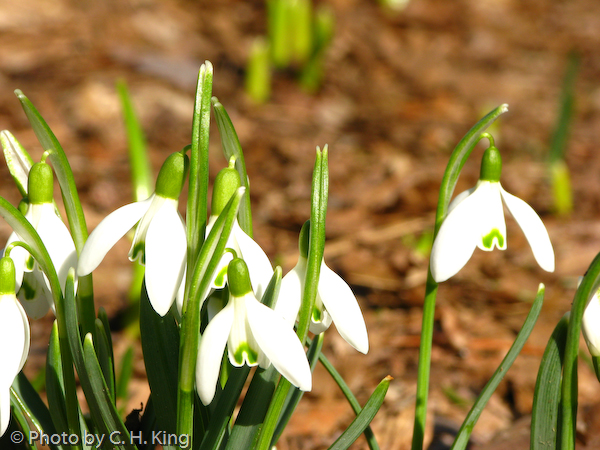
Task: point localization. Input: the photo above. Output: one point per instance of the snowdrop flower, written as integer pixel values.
(254, 335)
(34, 292)
(14, 338)
(335, 300)
(239, 243)
(476, 219)
(160, 238)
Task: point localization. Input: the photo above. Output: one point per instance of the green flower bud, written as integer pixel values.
(238, 278)
(226, 183)
(7, 276)
(172, 176)
(491, 165)
(304, 239)
(40, 184)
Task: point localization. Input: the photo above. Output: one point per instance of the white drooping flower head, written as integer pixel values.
(476, 219)
(254, 335)
(14, 338)
(33, 286)
(160, 238)
(335, 301)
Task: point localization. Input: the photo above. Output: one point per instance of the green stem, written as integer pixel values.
(200, 279)
(457, 160)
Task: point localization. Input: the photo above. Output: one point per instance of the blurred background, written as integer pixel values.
(391, 88)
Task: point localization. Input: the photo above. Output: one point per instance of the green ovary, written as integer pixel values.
(488, 239)
(244, 351)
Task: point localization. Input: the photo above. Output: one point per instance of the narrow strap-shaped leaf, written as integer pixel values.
(232, 147)
(25, 399)
(226, 403)
(254, 408)
(19, 429)
(462, 438)
(62, 168)
(316, 246)
(102, 410)
(104, 353)
(141, 171)
(201, 277)
(103, 316)
(160, 346)
(364, 418)
(198, 181)
(335, 375)
(100, 391)
(55, 383)
(295, 395)
(546, 398)
(320, 189)
(125, 372)
(75, 216)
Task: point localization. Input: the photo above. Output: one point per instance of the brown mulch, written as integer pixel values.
(400, 89)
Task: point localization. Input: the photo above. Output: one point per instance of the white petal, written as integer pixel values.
(459, 198)
(108, 232)
(34, 295)
(4, 409)
(210, 353)
(290, 293)
(591, 325)
(166, 249)
(324, 322)
(456, 240)
(492, 226)
(279, 344)
(259, 266)
(533, 228)
(14, 339)
(341, 304)
(220, 279)
(241, 346)
(58, 242)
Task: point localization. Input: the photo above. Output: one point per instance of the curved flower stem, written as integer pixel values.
(457, 160)
(75, 216)
(569, 382)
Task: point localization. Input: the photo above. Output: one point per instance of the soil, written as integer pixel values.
(399, 90)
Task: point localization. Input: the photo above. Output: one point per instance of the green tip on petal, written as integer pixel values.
(304, 239)
(226, 183)
(494, 235)
(172, 176)
(491, 165)
(7, 276)
(238, 278)
(40, 184)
